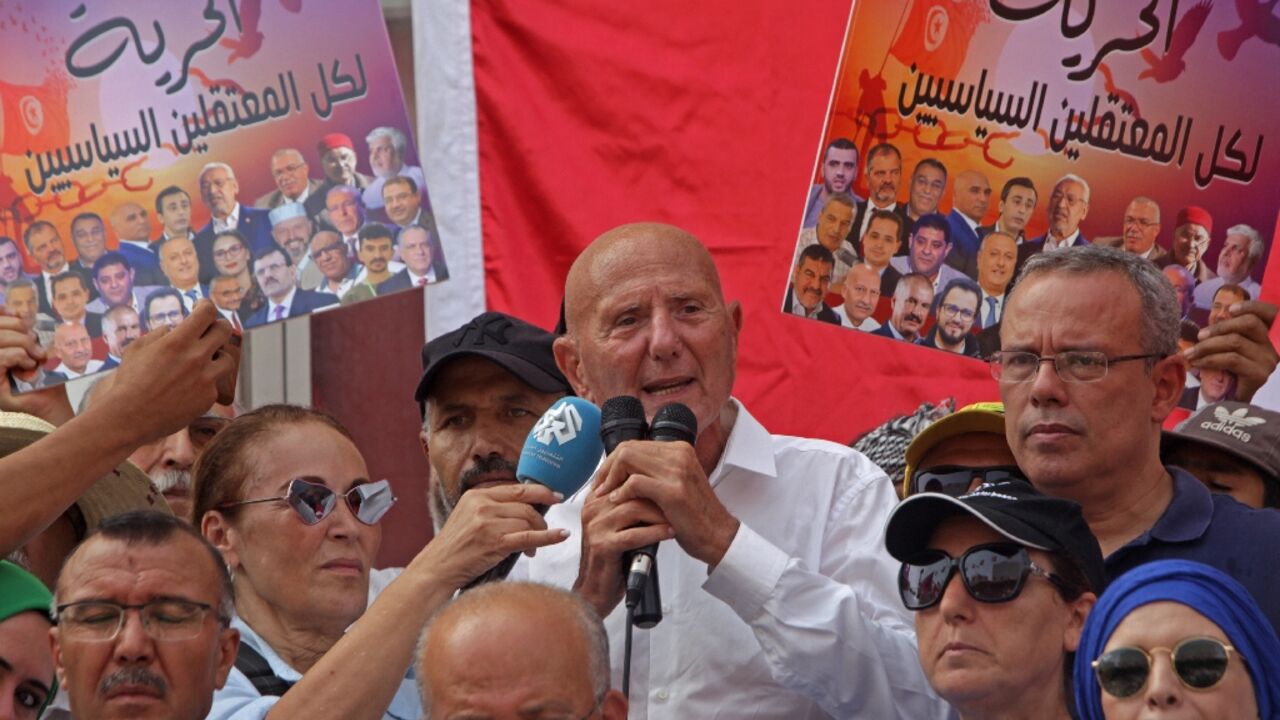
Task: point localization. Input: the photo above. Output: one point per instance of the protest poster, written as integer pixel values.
(254, 152)
(989, 130)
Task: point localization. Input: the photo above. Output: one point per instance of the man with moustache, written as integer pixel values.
(483, 387)
(292, 230)
(89, 236)
(1241, 252)
(884, 174)
(219, 190)
(273, 269)
(377, 247)
(928, 183)
(1068, 207)
(861, 293)
(930, 245)
(839, 171)
(164, 664)
(387, 148)
(113, 276)
(338, 160)
(293, 184)
(832, 229)
(72, 346)
(227, 295)
(10, 263)
(809, 283)
(971, 197)
(1191, 237)
(955, 308)
(329, 254)
(1017, 203)
(880, 244)
(1088, 374)
(911, 301)
(402, 201)
(121, 325)
(1141, 228)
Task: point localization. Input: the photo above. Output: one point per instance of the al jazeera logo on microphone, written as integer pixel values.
(554, 434)
(561, 423)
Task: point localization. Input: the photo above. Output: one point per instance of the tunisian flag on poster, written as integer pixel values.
(937, 34)
(34, 117)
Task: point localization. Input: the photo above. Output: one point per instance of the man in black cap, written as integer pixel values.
(994, 644)
(1231, 447)
(483, 387)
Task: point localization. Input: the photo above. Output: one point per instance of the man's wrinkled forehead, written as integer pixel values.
(635, 251)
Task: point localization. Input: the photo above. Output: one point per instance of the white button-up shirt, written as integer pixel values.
(800, 619)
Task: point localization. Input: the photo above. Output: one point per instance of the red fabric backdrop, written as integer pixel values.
(706, 116)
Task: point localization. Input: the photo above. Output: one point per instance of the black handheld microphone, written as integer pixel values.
(672, 423)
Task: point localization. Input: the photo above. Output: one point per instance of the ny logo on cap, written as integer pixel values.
(560, 422)
(493, 328)
(1232, 423)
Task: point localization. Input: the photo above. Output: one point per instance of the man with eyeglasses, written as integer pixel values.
(517, 650)
(164, 307)
(955, 309)
(1088, 373)
(1068, 207)
(910, 308)
(143, 609)
(329, 254)
(293, 181)
(1140, 230)
(273, 269)
(1001, 579)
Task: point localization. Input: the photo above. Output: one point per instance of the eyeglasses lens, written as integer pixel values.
(1122, 672)
(371, 501)
(994, 576)
(312, 502)
(1200, 663)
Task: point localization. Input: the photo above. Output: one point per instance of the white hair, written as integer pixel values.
(398, 139)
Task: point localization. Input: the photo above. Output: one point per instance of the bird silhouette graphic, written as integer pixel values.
(1171, 65)
(1256, 20)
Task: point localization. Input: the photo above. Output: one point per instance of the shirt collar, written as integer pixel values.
(749, 448)
(1189, 513)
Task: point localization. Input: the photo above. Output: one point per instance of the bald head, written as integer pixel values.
(505, 647)
(629, 249)
(972, 194)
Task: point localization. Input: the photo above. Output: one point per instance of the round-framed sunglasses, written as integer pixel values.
(992, 573)
(1199, 662)
(955, 480)
(314, 502)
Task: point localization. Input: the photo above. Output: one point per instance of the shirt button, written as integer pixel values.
(661, 694)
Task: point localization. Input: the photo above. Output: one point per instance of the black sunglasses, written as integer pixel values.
(314, 502)
(1199, 662)
(992, 573)
(956, 480)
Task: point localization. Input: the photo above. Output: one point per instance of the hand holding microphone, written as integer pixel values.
(490, 527)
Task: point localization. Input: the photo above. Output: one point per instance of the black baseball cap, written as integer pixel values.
(521, 349)
(1012, 508)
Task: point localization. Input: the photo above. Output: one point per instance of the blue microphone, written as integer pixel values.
(563, 448)
(561, 452)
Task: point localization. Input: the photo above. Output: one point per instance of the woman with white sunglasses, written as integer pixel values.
(285, 495)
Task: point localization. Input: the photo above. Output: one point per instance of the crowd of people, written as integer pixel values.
(906, 270)
(307, 245)
(1057, 554)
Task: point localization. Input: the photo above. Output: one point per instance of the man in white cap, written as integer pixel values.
(292, 230)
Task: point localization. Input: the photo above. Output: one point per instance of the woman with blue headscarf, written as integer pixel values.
(1175, 635)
